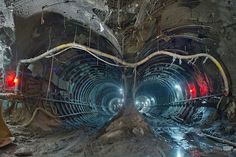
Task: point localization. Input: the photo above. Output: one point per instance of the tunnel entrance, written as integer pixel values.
(152, 85)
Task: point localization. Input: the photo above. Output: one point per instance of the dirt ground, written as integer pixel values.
(79, 143)
(128, 136)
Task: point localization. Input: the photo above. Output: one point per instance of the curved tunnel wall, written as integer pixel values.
(93, 93)
(179, 87)
(83, 90)
(95, 84)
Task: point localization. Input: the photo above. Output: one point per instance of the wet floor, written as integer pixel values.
(175, 140)
(187, 141)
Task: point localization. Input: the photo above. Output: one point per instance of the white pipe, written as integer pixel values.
(97, 53)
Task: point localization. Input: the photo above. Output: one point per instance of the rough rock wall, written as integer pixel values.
(220, 15)
(78, 10)
(227, 34)
(6, 34)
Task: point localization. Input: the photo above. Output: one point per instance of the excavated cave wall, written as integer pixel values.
(220, 15)
(80, 11)
(6, 35)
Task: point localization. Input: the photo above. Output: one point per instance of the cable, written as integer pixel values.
(96, 53)
(50, 77)
(35, 113)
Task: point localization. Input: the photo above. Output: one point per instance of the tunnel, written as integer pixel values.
(88, 90)
(163, 68)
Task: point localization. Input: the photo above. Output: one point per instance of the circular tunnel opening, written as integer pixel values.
(80, 89)
(172, 88)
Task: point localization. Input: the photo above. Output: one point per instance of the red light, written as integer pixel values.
(203, 90)
(192, 90)
(16, 80)
(203, 86)
(10, 79)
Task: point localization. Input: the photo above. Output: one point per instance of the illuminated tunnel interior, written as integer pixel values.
(159, 69)
(170, 86)
(89, 90)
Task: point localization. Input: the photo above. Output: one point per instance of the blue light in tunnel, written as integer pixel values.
(177, 86)
(178, 153)
(204, 102)
(178, 92)
(152, 99)
(122, 100)
(121, 91)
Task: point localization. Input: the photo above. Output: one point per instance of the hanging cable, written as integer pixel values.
(97, 53)
(50, 78)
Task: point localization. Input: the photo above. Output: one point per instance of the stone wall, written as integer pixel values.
(6, 34)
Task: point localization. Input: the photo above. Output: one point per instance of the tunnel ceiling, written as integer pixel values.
(86, 90)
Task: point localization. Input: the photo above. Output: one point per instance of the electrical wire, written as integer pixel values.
(96, 53)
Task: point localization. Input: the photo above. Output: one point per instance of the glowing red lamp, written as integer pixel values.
(10, 79)
(192, 90)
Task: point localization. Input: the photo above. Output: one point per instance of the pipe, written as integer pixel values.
(10, 96)
(95, 52)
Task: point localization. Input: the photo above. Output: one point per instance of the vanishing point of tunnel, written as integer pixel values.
(118, 78)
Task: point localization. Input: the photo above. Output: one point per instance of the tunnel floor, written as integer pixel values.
(169, 138)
